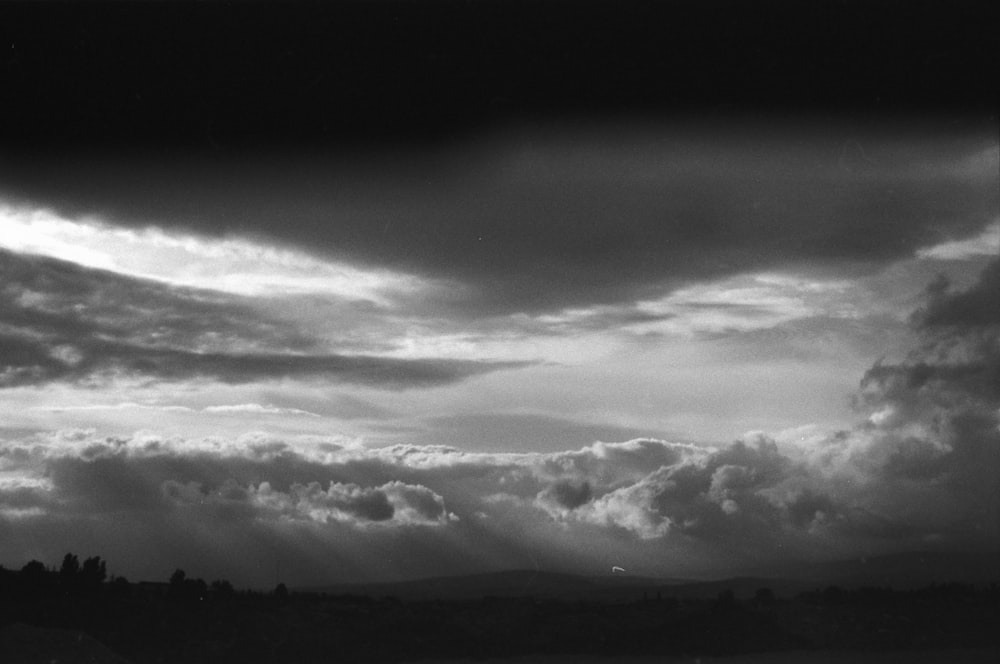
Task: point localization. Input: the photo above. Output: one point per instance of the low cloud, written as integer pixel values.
(718, 494)
(391, 504)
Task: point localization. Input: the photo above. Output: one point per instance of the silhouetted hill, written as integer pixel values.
(515, 583)
(900, 571)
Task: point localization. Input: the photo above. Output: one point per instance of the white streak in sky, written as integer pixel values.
(232, 265)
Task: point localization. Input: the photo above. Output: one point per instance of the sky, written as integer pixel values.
(683, 345)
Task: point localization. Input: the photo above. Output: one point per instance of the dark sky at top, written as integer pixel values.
(259, 118)
(235, 75)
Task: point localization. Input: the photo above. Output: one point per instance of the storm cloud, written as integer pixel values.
(586, 215)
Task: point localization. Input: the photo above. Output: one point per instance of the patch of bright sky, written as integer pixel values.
(673, 388)
(241, 408)
(233, 265)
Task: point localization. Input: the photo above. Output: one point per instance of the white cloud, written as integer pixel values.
(232, 265)
(231, 409)
(257, 409)
(629, 508)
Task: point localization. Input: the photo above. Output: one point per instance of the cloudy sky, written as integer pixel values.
(681, 345)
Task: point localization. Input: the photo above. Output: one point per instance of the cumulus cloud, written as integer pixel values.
(391, 504)
(750, 495)
(713, 494)
(918, 468)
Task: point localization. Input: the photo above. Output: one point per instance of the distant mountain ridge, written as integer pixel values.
(512, 583)
(900, 571)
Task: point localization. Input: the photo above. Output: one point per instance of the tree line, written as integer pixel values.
(89, 578)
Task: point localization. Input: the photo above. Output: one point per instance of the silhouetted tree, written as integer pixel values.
(93, 573)
(34, 571)
(221, 589)
(34, 579)
(183, 588)
(176, 587)
(70, 567)
(69, 574)
(119, 586)
(195, 589)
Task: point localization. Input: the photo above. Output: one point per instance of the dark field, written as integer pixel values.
(48, 614)
(958, 656)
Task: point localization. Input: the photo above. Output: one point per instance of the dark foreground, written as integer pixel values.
(48, 615)
(955, 656)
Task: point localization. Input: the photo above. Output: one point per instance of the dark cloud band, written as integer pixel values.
(596, 214)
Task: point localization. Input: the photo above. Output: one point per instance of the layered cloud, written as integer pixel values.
(63, 322)
(592, 215)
